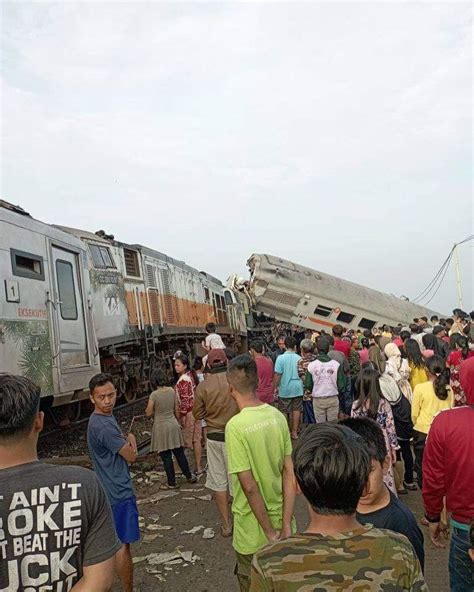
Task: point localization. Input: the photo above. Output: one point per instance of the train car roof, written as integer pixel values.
(176, 262)
(90, 236)
(83, 234)
(17, 215)
(336, 282)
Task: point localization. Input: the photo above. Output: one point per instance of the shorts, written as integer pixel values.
(242, 571)
(289, 404)
(192, 431)
(217, 478)
(125, 515)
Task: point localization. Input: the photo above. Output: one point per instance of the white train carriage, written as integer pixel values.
(46, 327)
(302, 296)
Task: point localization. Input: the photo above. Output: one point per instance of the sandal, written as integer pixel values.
(192, 479)
(167, 486)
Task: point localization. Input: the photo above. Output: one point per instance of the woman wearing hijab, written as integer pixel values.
(398, 368)
(401, 410)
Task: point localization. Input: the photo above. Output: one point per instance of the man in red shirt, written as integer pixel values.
(448, 471)
(265, 390)
(340, 344)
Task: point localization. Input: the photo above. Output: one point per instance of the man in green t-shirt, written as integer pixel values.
(259, 454)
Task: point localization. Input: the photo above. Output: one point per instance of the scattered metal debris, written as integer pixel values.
(193, 530)
(156, 497)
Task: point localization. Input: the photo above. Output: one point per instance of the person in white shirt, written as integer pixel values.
(213, 339)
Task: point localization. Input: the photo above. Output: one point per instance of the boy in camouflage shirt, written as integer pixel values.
(335, 553)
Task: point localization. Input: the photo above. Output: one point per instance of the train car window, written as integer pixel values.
(322, 311)
(345, 317)
(101, 257)
(67, 292)
(132, 268)
(27, 265)
(228, 298)
(107, 257)
(367, 323)
(207, 296)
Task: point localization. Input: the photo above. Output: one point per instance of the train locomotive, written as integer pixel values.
(76, 303)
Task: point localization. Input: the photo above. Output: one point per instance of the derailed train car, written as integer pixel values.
(75, 302)
(291, 293)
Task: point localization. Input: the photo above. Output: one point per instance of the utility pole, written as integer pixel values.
(458, 275)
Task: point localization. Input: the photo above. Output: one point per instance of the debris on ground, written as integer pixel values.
(206, 498)
(208, 533)
(169, 558)
(193, 530)
(149, 538)
(156, 497)
(158, 527)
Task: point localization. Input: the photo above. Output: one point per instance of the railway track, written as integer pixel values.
(71, 441)
(84, 420)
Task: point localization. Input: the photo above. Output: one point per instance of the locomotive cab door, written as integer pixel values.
(71, 336)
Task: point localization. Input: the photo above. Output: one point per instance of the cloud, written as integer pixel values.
(334, 134)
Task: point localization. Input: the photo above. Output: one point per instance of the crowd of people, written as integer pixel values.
(351, 420)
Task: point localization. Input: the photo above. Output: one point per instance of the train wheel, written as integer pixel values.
(65, 414)
(130, 392)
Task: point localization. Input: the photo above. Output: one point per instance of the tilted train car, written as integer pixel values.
(46, 326)
(302, 296)
(75, 302)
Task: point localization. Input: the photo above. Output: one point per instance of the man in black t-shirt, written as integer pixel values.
(379, 506)
(56, 528)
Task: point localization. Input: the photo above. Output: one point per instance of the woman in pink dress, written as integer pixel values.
(371, 403)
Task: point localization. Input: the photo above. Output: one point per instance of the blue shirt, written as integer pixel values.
(291, 384)
(105, 439)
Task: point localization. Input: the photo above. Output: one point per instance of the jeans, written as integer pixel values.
(461, 568)
(419, 439)
(167, 459)
(407, 455)
(345, 398)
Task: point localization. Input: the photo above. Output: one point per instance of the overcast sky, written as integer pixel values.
(338, 135)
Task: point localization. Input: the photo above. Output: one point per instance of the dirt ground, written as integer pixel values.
(210, 566)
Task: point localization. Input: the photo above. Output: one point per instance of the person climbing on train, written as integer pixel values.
(192, 429)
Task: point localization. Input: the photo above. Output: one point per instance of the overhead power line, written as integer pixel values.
(438, 279)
